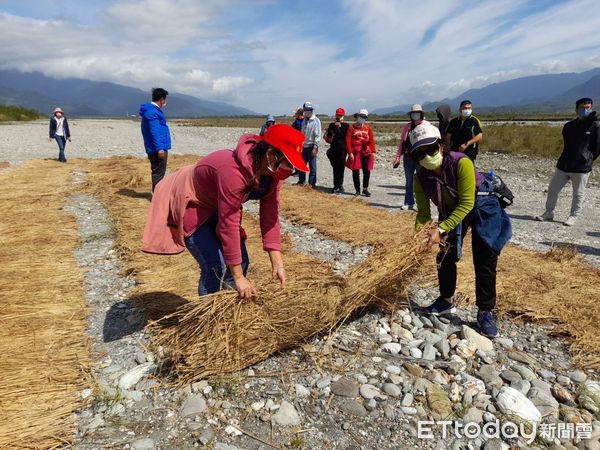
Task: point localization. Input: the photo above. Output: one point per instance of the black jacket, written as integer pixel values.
(65, 127)
(581, 144)
(337, 149)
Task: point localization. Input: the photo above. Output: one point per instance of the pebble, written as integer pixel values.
(323, 382)
(429, 352)
(206, 436)
(414, 370)
(577, 376)
(353, 408)
(563, 380)
(345, 387)
(233, 431)
(546, 374)
(143, 444)
(287, 415)
(301, 391)
(395, 370)
(131, 377)
(396, 379)
(443, 347)
(193, 404)
(480, 342)
(512, 402)
(392, 348)
(407, 400)
(505, 343)
(392, 390)
(368, 391)
(416, 352)
(388, 412)
(525, 372)
(409, 410)
(258, 405)
(510, 376)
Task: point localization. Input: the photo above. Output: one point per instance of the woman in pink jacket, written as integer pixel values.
(199, 207)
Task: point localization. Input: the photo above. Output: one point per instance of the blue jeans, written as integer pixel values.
(312, 166)
(205, 246)
(61, 141)
(409, 173)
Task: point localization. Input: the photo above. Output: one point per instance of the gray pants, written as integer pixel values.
(558, 181)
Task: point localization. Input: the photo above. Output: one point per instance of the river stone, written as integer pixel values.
(392, 390)
(301, 391)
(521, 356)
(345, 387)
(544, 401)
(525, 372)
(286, 416)
(131, 377)
(392, 348)
(439, 403)
(577, 376)
(473, 415)
(429, 352)
(407, 400)
(510, 376)
(562, 394)
(512, 403)
(401, 333)
(395, 370)
(414, 370)
(193, 404)
(443, 347)
(481, 342)
(522, 386)
(323, 382)
(416, 352)
(143, 444)
(353, 408)
(368, 391)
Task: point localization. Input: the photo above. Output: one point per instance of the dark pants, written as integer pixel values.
(312, 167)
(364, 161)
(338, 163)
(484, 260)
(158, 167)
(62, 142)
(471, 153)
(205, 246)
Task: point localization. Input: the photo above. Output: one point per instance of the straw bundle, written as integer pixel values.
(220, 333)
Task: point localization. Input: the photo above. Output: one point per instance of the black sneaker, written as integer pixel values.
(487, 324)
(366, 193)
(357, 193)
(441, 306)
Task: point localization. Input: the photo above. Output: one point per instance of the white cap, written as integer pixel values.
(423, 134)
(416, 108)
(362, 112)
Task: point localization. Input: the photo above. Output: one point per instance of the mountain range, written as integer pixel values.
(86, 98)
(539, 93)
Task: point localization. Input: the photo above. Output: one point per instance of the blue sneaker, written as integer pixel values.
(441, 306)
(487, 324)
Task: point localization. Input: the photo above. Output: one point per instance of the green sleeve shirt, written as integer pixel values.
(459, 207)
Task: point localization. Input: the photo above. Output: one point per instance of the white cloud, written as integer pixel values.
(228, 84)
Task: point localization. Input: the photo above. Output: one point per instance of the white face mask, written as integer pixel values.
(466, 112)
(360, 120)
(308, 114)
(415, 116)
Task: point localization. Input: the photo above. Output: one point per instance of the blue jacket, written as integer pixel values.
(154, 129)
(491, 221)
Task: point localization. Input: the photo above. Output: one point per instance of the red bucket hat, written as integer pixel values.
(340, 112)
(283, 137)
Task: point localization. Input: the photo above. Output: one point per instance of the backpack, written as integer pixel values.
(499, 189)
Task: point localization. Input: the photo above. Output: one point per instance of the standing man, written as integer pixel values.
(464, 132)
(59, 131)
(336, 137)
(311, 128)
(155, 131)
(581, 148)
(270, 121)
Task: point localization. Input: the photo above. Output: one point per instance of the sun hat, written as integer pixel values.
(308, 106)
(416, 108)
(362, 112)
(57, 109)
(289, 141)
(340, 112)
(423, 134)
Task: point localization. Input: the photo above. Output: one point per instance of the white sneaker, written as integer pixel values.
(407, 207)
(570, 221)
(546, 217)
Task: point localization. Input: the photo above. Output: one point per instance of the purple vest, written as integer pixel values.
(433, 187)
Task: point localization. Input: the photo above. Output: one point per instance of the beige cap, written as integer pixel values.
(57, 109)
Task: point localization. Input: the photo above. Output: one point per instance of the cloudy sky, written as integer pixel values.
(270, 56)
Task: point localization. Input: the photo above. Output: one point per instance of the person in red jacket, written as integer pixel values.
(199, 207)
(360, 145)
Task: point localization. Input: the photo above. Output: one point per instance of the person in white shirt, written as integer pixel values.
(59, 131)
(311, 128)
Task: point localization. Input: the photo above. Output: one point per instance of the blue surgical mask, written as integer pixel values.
(584, 112)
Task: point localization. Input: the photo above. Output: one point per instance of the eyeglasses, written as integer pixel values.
(425, 150)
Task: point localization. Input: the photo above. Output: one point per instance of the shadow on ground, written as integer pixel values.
(135, 194)
(583, 249)
(129, 316)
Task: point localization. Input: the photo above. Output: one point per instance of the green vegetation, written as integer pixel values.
(533, 140)
(9, 113)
